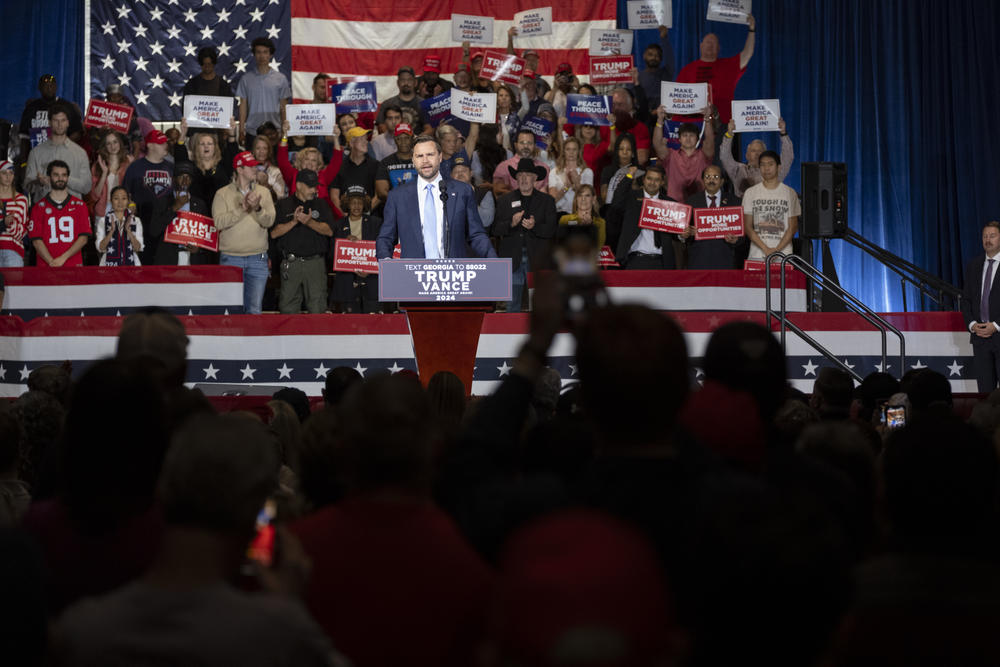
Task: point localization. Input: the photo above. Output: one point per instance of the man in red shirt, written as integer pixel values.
(59, 226)
(722, 73)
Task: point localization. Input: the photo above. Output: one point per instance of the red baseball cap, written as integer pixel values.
(528, 73)
(432, 63)
(244, 159)
(156, 137)
(477, 54)
(403, 128)
(564, 67)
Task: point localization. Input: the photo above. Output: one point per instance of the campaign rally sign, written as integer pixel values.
(108, 114)
(504, 67)
(192, 229)
(540, 127)
(315, 120)
(208, 111)
(474, 107)
(486, 279)
(606, 258)
(588, 109)
(683, 98)
(644, 14)
(534, 22)
(664, 216)
(728, 11)
(610, 69)
(354, 256)
(354, 97)
(756, 115)
(610, 42)
(672, 135)
(472, 29)
(717, 223)
(436, 109)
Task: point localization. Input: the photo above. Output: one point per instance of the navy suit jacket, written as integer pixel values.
(401, 220)
(972, 291)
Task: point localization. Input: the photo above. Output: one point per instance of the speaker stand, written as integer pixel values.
(830, 302)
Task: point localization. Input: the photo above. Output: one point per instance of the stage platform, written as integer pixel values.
(298, 350)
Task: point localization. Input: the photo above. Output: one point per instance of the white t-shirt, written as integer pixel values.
(771, 210)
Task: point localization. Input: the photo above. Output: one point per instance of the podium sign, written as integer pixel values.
(444, 280)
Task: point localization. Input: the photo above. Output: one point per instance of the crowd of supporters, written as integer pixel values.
(621, 522)
(164, 172)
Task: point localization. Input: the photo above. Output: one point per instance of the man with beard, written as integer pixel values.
(58, 147)
(59, 226)
(406, 81)
(34, 126)
(524, 148)
(659, 60)
(384, 144)
(640, 248)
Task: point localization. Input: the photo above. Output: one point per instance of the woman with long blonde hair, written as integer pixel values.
(570, 172)
(213, 163)
(585, 212)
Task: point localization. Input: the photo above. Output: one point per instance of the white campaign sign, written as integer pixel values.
(728, 11)
(644, 14)
(311, 119)
(756, 115)
(610, 42)
(534, 22)
(684, 98)
(208, 111)
(474, 107)
(473, 29)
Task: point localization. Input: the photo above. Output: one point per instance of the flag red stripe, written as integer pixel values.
(387, 63)
(404, 11)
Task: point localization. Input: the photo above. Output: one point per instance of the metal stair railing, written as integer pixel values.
(939, 291)
(848, 299)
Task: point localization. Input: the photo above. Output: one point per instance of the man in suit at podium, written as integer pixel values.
(433, 217)
(981, 308)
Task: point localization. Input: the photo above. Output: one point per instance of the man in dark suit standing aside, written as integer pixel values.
(432, 217)
(526, 222)
(981, 308)
(711, 254)
(640, 248)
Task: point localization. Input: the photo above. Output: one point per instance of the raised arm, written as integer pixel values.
(747, 51)
(787, 152)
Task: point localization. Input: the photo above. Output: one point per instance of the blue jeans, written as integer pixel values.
(10, 258)
(254, 278)
(517, 280)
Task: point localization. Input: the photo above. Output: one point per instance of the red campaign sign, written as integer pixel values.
(107, 114)
(717, 223)
(606, 258)
(664, 216)
(192, 229)
(503, 67)
(354, 256)
(610, 69)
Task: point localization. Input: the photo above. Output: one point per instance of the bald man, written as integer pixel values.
(722, 73)
(745, 174)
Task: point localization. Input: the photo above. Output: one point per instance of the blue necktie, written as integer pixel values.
(984, 302)
(430, 225)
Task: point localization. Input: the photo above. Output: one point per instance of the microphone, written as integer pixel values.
(444, 209)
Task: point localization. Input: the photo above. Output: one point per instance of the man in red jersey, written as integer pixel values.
(59, 226)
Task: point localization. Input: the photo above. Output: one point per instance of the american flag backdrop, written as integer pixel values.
(149, 46)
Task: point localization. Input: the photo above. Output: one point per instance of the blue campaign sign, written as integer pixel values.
(355, 97)
(588, 109)
(540, 127)
(437, 111)
(437, 108)
(444, 279)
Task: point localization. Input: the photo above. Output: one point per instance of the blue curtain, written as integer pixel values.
(40, 38)
(905, 92)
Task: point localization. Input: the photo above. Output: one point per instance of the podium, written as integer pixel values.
(444, 301)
